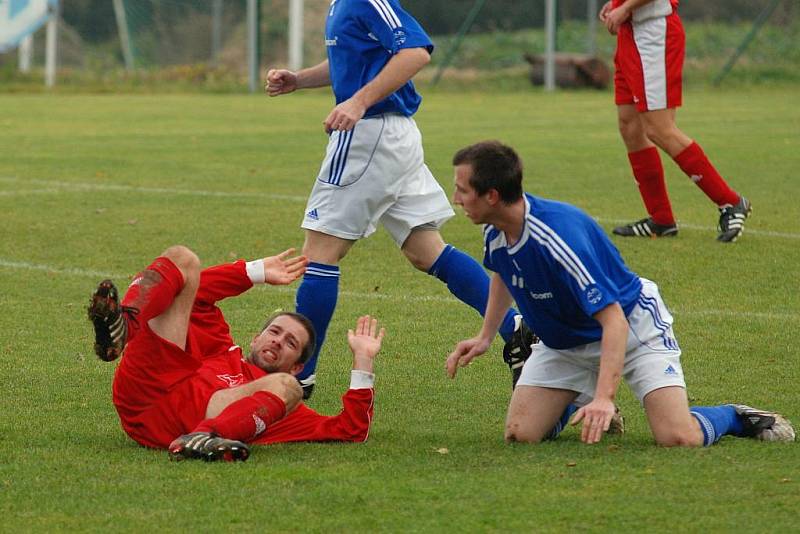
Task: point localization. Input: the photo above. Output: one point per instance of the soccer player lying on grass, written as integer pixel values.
(597, 320)
(183, 384)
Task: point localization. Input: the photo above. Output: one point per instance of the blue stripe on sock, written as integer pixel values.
(316, 299)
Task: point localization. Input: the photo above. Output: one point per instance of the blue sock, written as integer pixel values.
(717, 421)
(562, 422)
(466, 279)
(316, 299)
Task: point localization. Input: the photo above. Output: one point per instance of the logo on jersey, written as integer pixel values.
(399, 36)
(594, 296)
(670, 370)
(331, 42)
(696, 177)
(232, 380)
(541, 296)
(313, 215)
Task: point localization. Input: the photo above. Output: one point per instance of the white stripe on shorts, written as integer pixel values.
(651, 42)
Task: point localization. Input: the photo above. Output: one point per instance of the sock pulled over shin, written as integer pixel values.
(316, 299)
(717, 421)
(246, 418)
(468, 282)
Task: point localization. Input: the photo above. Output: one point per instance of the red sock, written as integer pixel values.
(246, 418)
(695, 164)
(649, 174)
(152, 291)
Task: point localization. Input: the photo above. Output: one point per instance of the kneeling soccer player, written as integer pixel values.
(184, 385)
(597, 320)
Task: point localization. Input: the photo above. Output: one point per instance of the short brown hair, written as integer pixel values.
(494, 166)
(308, 350)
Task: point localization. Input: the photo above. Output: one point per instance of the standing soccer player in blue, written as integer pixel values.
(598, 321)
(374, 170)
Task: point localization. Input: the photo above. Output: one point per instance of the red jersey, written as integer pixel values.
(162, 391)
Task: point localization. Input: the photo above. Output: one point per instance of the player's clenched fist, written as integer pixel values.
(280, 82)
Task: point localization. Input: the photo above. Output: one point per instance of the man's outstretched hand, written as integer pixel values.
(365, 342)
(284, 268)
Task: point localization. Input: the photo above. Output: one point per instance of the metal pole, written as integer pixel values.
(295, 35)
(253, 48)
(591, 27)
(51, 48)
(462, 31)
(216, 29)
(760, 20)
(550, 46)
(124, 36)
(25, 54)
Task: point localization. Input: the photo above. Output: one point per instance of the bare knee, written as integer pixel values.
(516, 433)
(678, 438)
(422, 248)
(185, 259)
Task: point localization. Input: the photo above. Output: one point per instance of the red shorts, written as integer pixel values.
(157, 390)
(649, 63)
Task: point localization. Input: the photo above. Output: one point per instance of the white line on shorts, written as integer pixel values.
(445, 299)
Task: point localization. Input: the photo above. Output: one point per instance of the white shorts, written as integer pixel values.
(652, 360)
(376, 173)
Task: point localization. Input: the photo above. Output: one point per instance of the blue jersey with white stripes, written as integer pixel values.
(561, 271)
(361, 37)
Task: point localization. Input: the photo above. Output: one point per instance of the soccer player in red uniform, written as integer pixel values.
(647, 90)
(183, 384)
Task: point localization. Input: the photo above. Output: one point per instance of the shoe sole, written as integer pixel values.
(237, 454)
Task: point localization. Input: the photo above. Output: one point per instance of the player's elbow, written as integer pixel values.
(419, 56)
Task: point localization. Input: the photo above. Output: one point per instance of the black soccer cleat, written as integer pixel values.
(764, 425)
(646, 228)
(209, 447)
(517, 350)
(109, 320)
(307, 384)
(731, 220)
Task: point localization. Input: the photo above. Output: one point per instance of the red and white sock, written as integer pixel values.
(695, 164)
(649, 174)
(246, 418)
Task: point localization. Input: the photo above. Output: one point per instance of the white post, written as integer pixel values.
(26, 53)
(550, 46)
(124, 36)
(252, 44)
(51, 48)
(295, 35)
(591, 30)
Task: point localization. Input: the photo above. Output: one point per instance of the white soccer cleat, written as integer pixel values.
(764, 425)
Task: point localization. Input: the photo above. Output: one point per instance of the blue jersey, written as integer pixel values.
(361, 37)
(562, 271)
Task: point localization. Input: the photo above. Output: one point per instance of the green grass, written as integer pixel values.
(96, 185)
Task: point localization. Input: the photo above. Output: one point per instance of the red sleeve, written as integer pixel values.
(209, 333)
(304, 424)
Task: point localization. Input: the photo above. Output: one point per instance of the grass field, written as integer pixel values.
(95, 186)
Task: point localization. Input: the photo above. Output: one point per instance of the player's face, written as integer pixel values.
(277, 349)
(475, 207)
